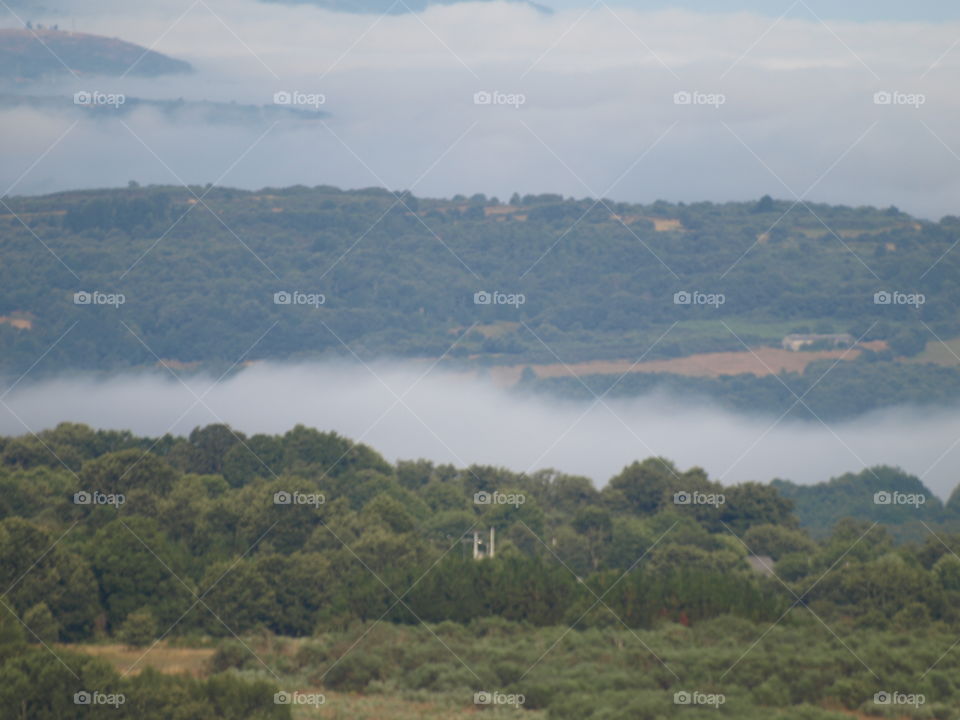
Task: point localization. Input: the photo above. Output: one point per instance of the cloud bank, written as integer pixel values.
(599, 115)
(461, 419)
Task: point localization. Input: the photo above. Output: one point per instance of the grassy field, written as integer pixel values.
(165, 658)
(385, 707)
(759, 362)
(195, 661)
(945, 353)
(768, 332)
(795, 670)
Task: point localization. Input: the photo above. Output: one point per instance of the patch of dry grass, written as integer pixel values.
(166, 659)
(342, 706)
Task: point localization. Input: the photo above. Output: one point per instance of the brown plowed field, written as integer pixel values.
(760, 361)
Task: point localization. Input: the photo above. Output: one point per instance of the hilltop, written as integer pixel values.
(32, 53)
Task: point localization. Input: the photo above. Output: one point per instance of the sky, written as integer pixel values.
(584, 101)
(856, 10)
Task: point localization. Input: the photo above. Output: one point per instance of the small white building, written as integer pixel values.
(798, 341)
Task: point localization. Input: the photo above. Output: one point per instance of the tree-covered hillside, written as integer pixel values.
(34, 53)
(209, 276)
(827, 389)
(105, 536)
(199, 269)
(819, 507)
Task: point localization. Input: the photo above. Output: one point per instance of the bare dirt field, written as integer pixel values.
(21, 323)
(760, 361)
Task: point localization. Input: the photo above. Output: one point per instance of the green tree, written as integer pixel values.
(42, 624)
(642, 487)
(212, 443)
(777, 541)
(137, 567)
(120, 472)
(596, 525)
(138, 629)
(752, 504)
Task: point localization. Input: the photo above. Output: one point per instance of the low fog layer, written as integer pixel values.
(463, 420)
(598, 115)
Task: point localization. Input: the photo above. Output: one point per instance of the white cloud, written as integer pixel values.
(448, 417)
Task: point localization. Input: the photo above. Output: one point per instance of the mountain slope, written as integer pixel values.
(29, 54)
(407, 276)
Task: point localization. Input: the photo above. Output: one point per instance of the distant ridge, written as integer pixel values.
(32, 53)
(219, 113)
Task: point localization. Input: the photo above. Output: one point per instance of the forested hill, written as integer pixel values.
(872, 494)
(202, 499)
(199, 272)
(297, 545)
